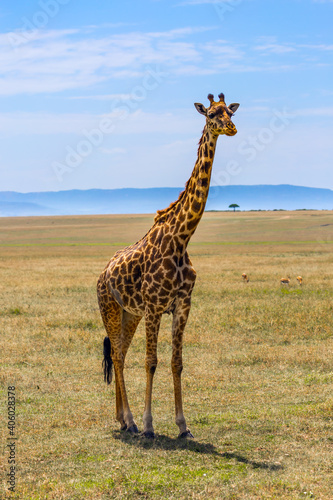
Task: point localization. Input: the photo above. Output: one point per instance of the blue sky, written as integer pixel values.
(100, 94)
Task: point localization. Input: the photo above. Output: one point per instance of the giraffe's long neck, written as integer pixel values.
(196, 192)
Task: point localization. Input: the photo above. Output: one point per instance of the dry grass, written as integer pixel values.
(258, 363)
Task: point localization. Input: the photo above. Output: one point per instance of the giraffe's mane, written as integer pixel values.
(160, 214)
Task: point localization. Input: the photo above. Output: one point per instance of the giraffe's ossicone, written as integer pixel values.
(155, 276)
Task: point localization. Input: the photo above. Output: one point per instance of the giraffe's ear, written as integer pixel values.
(233, 107)
(200, 108)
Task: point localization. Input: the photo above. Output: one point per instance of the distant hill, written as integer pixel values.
(14, 209)
(127, 201)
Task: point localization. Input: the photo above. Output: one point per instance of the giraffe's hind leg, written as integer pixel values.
(120, 327)
(128, 328)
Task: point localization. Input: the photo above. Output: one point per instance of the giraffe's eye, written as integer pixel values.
(210, 115)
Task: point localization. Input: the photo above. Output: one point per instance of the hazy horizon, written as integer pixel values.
(159, 187)
(149, 200)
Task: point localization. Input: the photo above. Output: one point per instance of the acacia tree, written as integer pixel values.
(234, 206)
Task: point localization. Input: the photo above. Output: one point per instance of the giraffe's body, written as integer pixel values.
(155, 276)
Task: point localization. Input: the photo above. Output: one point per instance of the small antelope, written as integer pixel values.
(245, 277)
(299, 279)
(285, 281)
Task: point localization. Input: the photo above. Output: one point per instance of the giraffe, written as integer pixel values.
(155, 276)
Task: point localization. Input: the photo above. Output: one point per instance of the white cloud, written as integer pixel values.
(106, 97)
(137, 122)
(214, 2)
(271, 45)
(193, 70)
(322, 46)
(175, 33)
(256, 109)
(113, 151)
(315, 112)
(222, 48)
(33, 123)
(275, 48)
(54, 61)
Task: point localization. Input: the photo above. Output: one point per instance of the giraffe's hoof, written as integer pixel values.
(123, 427)
(133, 429)
(148, 434)
(186, 434)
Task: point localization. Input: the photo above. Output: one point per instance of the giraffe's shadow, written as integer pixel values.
(163, 442)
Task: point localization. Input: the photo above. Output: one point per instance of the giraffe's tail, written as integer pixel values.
(107, 361)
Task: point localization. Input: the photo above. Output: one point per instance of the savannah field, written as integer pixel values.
(258, 363)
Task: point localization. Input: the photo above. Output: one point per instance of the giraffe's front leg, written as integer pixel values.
(153, 321)
(180, 316)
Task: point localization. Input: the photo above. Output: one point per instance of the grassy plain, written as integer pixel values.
(258, 363)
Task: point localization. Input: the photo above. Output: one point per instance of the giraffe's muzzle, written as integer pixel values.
(231, 131)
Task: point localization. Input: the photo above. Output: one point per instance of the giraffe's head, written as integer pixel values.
(219, 115)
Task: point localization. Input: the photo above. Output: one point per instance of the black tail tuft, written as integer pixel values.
(107, 361)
